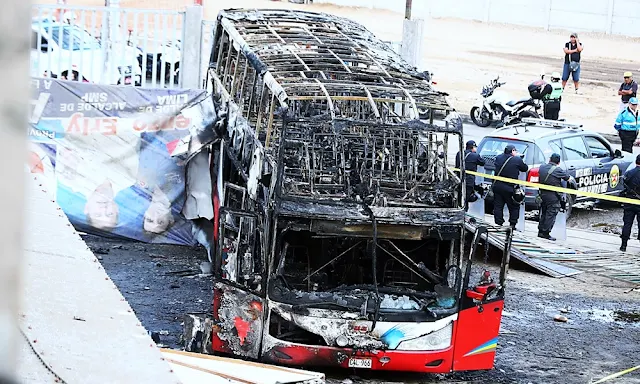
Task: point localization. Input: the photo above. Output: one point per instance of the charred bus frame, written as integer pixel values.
(339, 227)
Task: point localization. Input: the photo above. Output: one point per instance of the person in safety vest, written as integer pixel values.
(627, 125)
(551, 202)
(552, 100)
(631, 183)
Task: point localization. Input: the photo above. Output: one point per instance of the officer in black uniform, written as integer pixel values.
(631, 182)
(509, 165)
(471, 162)
(551, 174)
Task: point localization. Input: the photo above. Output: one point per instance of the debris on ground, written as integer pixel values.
(633, 289)
(629, 317)
(100, 250)
(206, 268)
(560, 318)
(155, 336)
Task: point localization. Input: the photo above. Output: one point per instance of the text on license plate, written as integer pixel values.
(359, 363)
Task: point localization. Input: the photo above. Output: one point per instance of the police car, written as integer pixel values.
(585, 155)
(61, 49)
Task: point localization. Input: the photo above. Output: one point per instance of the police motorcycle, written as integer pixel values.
(425, 112)
(497, 106)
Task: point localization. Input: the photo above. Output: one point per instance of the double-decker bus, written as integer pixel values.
(339, 227)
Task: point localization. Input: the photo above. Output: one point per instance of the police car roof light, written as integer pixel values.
(513, 126)
(551, 123)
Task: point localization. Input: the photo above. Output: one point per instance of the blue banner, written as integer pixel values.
(105, 153)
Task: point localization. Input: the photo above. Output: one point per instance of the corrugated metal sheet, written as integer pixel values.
(584, 251)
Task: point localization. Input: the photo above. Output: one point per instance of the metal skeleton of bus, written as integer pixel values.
(338, 227)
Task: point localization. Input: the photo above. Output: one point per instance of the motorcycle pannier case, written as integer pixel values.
(539, 89)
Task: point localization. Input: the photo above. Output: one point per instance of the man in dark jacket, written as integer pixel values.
(471, 161)
(550, 174)
(508, 165)
(631, 182)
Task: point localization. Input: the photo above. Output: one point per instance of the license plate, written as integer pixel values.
(359, 363)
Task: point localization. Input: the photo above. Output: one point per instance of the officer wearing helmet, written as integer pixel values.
(508, 165)
(552, 100)
(551, 202)
(471, 161)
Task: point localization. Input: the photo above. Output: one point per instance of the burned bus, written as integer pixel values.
(339, 227)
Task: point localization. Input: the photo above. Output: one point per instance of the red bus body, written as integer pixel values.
(339, 230)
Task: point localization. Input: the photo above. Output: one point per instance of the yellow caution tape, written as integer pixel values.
(599, 196)
(613, 376)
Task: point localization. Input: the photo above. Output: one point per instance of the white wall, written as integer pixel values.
(620, 17)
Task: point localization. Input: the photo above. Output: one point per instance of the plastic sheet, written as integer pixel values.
(559, 230)
(521, 221)
(105, 152)
(477, 208)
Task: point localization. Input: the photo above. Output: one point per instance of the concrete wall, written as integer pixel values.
(620, 17)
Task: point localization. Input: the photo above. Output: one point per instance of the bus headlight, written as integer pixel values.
(434, 341)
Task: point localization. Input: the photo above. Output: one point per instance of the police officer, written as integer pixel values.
(631, 182)
(552, 101)
(550, 174)
(509, 165)
(471, 161)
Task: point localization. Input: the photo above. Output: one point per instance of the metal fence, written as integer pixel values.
(108, 45)
(208, 30)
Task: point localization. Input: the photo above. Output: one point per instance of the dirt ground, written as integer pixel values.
(163, 282)
(465, 55)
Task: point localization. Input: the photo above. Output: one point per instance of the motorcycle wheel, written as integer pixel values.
(424, 113)
(478, 119)
(523, 115)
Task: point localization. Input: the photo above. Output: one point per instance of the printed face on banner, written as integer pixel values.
(101, 210)
(106, 151)
(158, 217)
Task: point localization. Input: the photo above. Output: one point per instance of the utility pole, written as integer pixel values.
(412, 35)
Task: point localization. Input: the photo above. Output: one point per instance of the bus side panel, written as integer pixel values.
(239, 317)
(477, 336)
